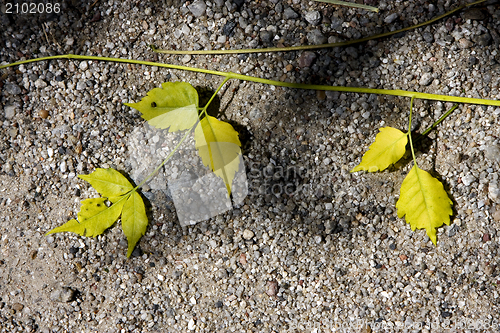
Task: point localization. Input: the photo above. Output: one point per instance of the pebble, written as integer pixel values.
(70, 41)
(316, 37)
(464, 43)
(10, 111)
(43, 114)
(50, 152)
(483, 40)
(468, 179)
(492, 153)
(198, 8)
(186, 58)
(12, 89)
(426, 79)
(328, 206)
(313, 17)
(62, 294)
(191, 325)
(473, 14)
(496, 214)
(391, 18)
(248, 234)
(63, 167)
(17, 306)
(272, 288)
(494, 192)
(289, 13)
(306, 59)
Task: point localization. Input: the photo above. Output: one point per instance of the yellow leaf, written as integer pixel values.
(424, 202)
(219, 148)
(174, 106)
(94, 217)
(108, 182)
(388, 148)
(134, 220)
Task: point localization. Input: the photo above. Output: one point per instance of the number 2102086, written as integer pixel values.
(32, 8)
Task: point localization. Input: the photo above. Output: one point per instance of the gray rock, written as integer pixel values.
(62, 294)
(316, 37)
(483, 40)
(492, 153)
(289, 13)
(313, 17)
(428, 37)
(266, 36)
(198, 8)
(494, 192)
(12, 89)
(81, 85)
(426, 79)
(391, 18)
(306, 59)
(473, 14)
(10, 111)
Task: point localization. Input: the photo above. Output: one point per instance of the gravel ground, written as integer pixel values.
(312, 248)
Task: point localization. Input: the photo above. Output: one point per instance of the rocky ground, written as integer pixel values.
(312, 247)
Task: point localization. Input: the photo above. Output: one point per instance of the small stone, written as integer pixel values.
(328, 206)
(50, 152)
(228, 28)
(17, 306)
(391, 18)
(483, 40)
(492, 153)
(490, 269)
(426, 79)
(70, 41)
(392, 246)
(289, 13)
(403, 257)
(327, 161)
(494, 192)
(496, 215)
(473, 14)
(486, 238)
(218, 304)
(198, 8)
(191, 325)
(186, 59)
(83, 66)
(306, 59)
(63, 167)
(313, 17)
(266, 36)
(9, 111)
(316, 37)
(464, 43)
(62, 294)
(469, 179)
(192, 300)
(243, 259)
(40, 83)
(81, 85)
(248, 234)
(317, 239)
(43, 114)
(12, 89)
(428, 37)
(272, 288)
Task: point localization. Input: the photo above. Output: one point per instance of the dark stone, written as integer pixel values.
(392, 246)
(473, 14)
(428, 37)
(483, 40)
(228, 29)
(445, 314)
(218, 304)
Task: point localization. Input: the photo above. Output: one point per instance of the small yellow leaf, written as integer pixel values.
(388, 148)
(108, 182)
(134, 220)
(424, 202)
(219, 148)
(174, 106)
(94, 218)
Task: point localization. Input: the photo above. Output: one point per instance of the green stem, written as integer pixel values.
(409, 131)
(166, 159)
(204, 110)
(443, 117)
(315, 47)
(402, 93)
